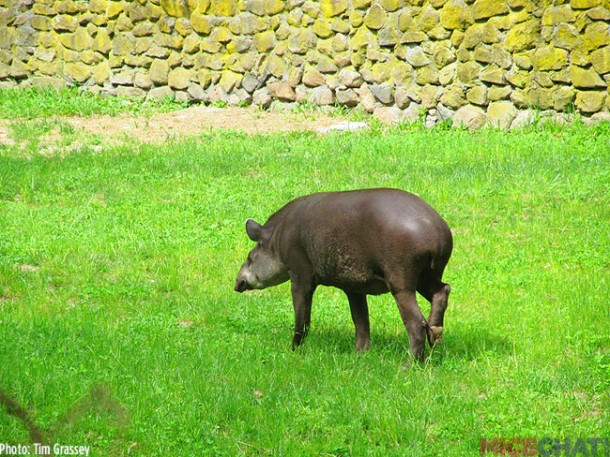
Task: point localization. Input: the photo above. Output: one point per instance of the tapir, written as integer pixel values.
(364, 242)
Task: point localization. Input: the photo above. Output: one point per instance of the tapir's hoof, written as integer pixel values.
(435, 335)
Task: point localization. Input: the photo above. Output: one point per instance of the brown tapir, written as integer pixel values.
(369, 241)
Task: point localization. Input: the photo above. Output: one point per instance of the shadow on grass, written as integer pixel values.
(466, 343)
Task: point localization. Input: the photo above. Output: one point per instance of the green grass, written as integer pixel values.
(34, 103)
(119, 327)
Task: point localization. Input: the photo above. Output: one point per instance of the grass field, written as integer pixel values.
(120, 329)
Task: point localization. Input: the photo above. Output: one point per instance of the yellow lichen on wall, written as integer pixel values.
(462, 59)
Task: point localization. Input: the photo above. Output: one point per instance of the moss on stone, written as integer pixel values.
(522, 36)
(456, 15)
(332, 8)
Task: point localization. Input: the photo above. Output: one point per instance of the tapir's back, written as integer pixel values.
(353, 237)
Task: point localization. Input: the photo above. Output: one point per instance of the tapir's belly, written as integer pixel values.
(351, 273)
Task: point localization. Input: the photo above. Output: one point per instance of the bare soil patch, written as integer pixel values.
(191, 121)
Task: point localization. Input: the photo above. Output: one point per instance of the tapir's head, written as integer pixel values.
(263, 267)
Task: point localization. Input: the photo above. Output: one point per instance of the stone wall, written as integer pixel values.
(470, 60)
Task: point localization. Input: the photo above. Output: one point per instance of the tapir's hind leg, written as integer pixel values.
(414, 322)
(437, 293)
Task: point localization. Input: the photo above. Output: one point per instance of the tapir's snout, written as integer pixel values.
(241, 285)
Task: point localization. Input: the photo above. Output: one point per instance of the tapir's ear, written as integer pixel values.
(253, 229)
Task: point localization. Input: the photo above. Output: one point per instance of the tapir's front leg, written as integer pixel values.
(302, 293)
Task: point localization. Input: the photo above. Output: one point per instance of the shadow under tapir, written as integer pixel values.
(363, 242)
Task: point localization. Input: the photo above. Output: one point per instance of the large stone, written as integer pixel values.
(350, 78)
(142, 80)
(102, 42)
(496, 93)
(347, 97)
(224, 7)
(468, 72)
(522, 36)
(63, 23)
(427, 75)
(196, 92)
(124, 78)
(361, 39)
(456, 15)
(274, 6)
(313, 78)
(391, 5)
(501, 114)
(562, 97)
(401, 97)
(484, 9)
(143, 29)
(159, 71)
(114, 9)
(443, 56)
(175, 8)
(281, 90)
(585, 79)
(601, 60)
(276, 66)
(430, 95)
(376, 17)
(219, 35)
(256, 7)
(179, 78)
(558, 15)
(160, 93)
(549, 58)
(326, 65)
(405, 20)
(201, 23)
(453, 97)
(361, 4)
(264, 41)
(523, 118)
(321, 27)
(77, 41)
(78, 71)
(383, 92)
(367, 99)
(471, 117)
(584, 4)
(596, 35)
(477, 95)
(262, 98)
(416, 57)
(500, 56)
(427, 19)
(331, 8)
(599, 14)
(228, 80)
(590, 101)
(321, 96)
(482, 53)
(566, 36)
(101, 73)
(123, 44)
(481, 33)
(447, 75)
(250, 83)
(388, 114)
(388, 36)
